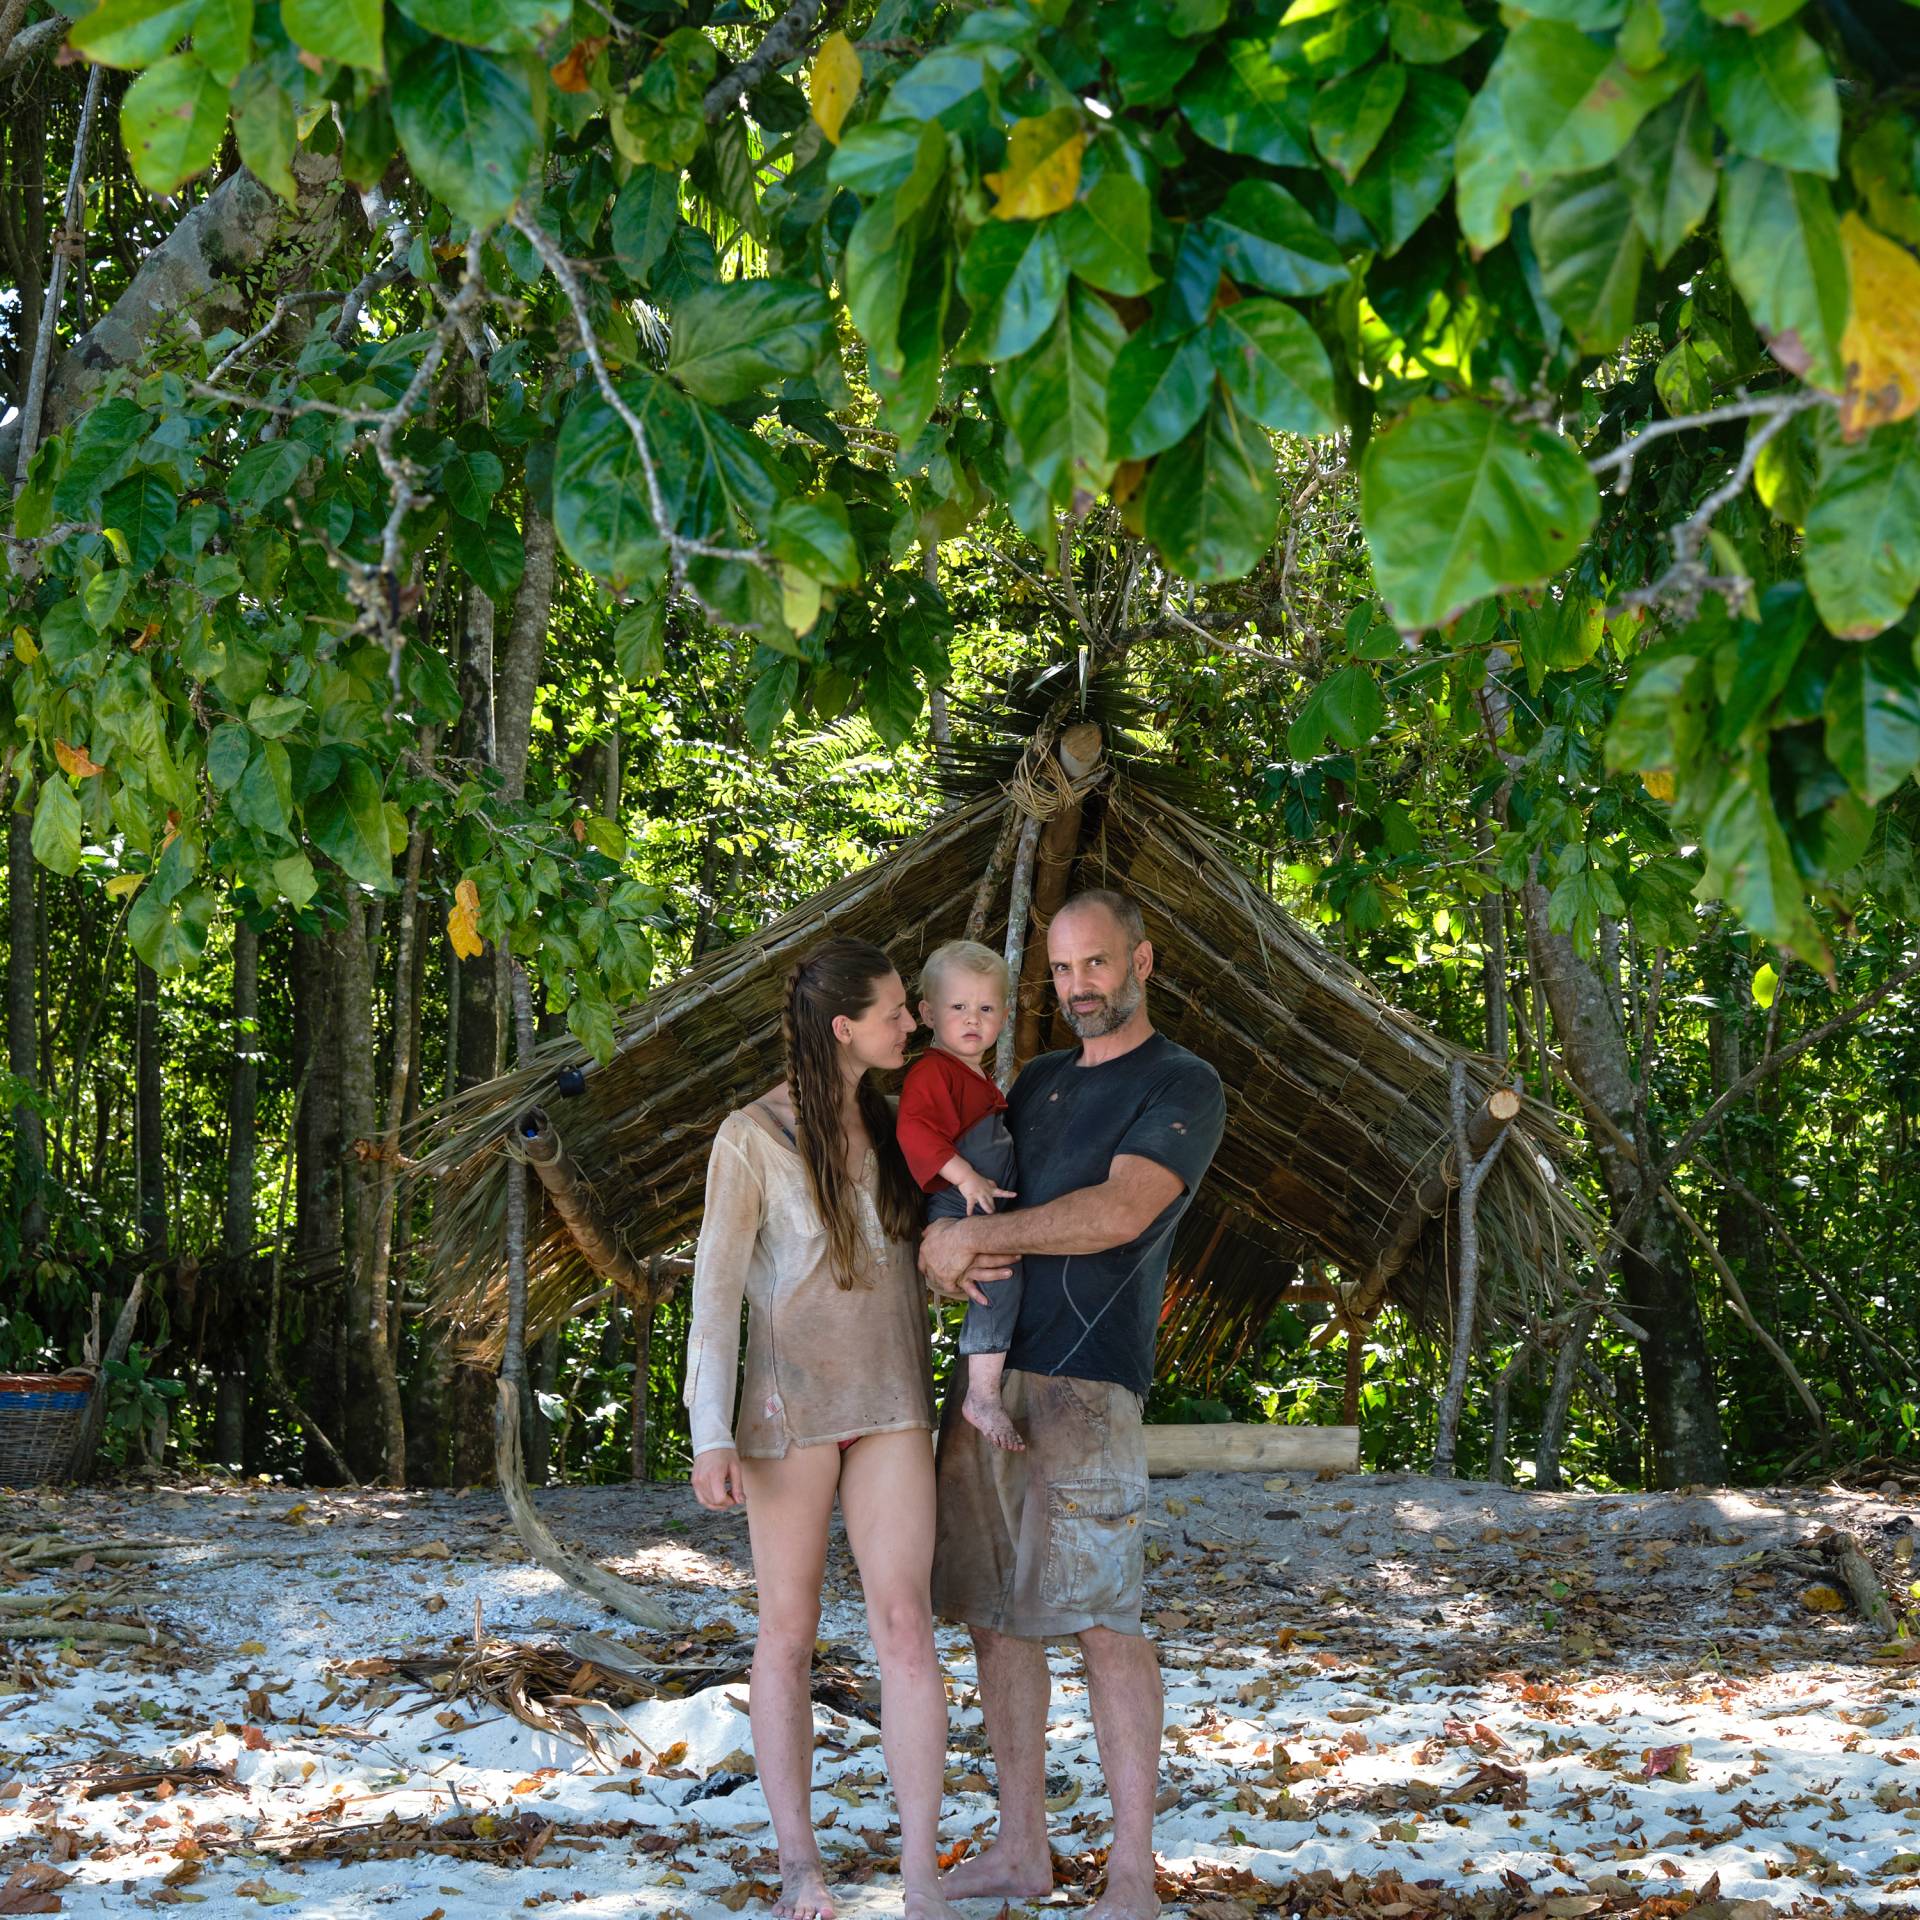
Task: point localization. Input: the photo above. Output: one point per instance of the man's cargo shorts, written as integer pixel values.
(1046, 1543)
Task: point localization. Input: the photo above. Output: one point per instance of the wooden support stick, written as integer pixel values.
(1079, 751)
(1241, 1447)
(575, 1201)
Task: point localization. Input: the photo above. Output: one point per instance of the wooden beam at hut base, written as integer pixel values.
(617, 1595)
(1226, 1446)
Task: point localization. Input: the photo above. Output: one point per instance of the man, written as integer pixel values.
(1049, 1543)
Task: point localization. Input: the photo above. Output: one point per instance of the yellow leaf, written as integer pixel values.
(251, 1646)
(834, 84)
(1824, 1599)
(1881, 346)
(23, 648)
(463, 921)
(76, 761)
(799, 598)
(1659, 783)
(123, 884)
(1043, 167)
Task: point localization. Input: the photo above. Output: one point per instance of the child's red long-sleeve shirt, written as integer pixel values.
(941, 1098)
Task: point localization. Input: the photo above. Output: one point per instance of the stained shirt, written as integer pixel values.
(823, 1362)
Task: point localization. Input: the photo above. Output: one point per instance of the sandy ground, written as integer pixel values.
(1386, 1696)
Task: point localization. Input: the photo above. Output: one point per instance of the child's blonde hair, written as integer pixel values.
(963, 956)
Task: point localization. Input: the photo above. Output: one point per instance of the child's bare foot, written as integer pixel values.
(983, 1410)
(803, 1893)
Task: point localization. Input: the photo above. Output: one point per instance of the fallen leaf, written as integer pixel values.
(1824, 1599)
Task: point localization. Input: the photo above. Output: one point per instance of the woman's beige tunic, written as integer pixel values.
(823, 1362)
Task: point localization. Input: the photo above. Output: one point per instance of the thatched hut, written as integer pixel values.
(1339, 1144)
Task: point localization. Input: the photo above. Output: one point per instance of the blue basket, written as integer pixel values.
(42, 1416)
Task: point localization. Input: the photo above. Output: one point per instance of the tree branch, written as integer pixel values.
(785, 40)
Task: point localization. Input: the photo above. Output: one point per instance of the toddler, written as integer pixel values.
(952, 1128)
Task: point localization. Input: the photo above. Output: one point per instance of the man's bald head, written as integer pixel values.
(1098, 954)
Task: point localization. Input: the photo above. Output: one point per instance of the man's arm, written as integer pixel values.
(1134, 1194)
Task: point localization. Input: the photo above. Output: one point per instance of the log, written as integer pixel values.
(106, 1632)
(1862, 1583)
(617, 1595)
(1227, 1446)
(575, 1201)
(1079, 750)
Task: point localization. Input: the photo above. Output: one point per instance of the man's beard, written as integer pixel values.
(1111, 1014)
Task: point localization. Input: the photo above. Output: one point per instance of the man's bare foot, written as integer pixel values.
(927, 1903)
(999, 1875)
(1126, 1900)
(803, 1893)
(983, 1410)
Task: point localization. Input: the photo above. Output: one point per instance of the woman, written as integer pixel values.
(812, 1216)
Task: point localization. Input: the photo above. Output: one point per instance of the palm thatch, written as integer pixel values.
(1337, 1101)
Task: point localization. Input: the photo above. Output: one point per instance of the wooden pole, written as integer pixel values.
(1019, 900)
(1080, 749)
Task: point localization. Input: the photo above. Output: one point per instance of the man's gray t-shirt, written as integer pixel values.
(1094, 1315)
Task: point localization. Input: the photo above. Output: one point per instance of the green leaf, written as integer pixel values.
(1410, 170)
(1429, 32)
(1353, 707)
(1156, 394)
(600, 505)
(275, 715)
(814, 536)
(471, 477)
(893, 700)
(879, 260)
(170, 934)
(1749, 865)
(1590, 253)
(56, 826)
(1104, 236)
(229, 748)
(141, 509)
(1013, 278)
(1556, 102)
(294, 876)
(1774, 97)
(1755, 15)
(1330, 37)
(1863, 531)
(348, 823)
(769, 700)
(223, 37)
(1640, 737)
(876, 158)
(1784, 251)
(1054, 401)
(1350, 115)
(1765, 985)
(264, 798)
(643, 220)
(1273, 241)
(265, 473)
(640, 640)
(171, 121)
(1459, 502)
(1188, 17)
(429, 683)
(131, 33)
(1667, 169)
(660, 123)
(343, 30)
(1212, 502)
(504, 26)
(265, 132)
(1274, 366)
(732, 339)
(466, 122)
(1245, 102)
(492, 554)
(1148, 61)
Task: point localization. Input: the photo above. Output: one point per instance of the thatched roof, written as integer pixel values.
(1337, 1101)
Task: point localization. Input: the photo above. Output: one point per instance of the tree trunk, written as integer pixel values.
(518, 676)
(1683, 1421)
(237, 1224)
(318, 1238)
(149, 1124)
(23, 1041)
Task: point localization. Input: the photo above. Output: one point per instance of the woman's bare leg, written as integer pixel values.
(789, 1506)
(886, 1497)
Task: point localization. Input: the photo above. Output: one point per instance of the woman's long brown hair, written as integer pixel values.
(842, 977)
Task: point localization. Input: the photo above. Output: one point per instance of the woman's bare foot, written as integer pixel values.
(803, 1893)
(983, 1410)
(1126, 1900)
(997, 1874)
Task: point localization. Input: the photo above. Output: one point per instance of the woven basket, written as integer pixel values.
(41, 1416)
